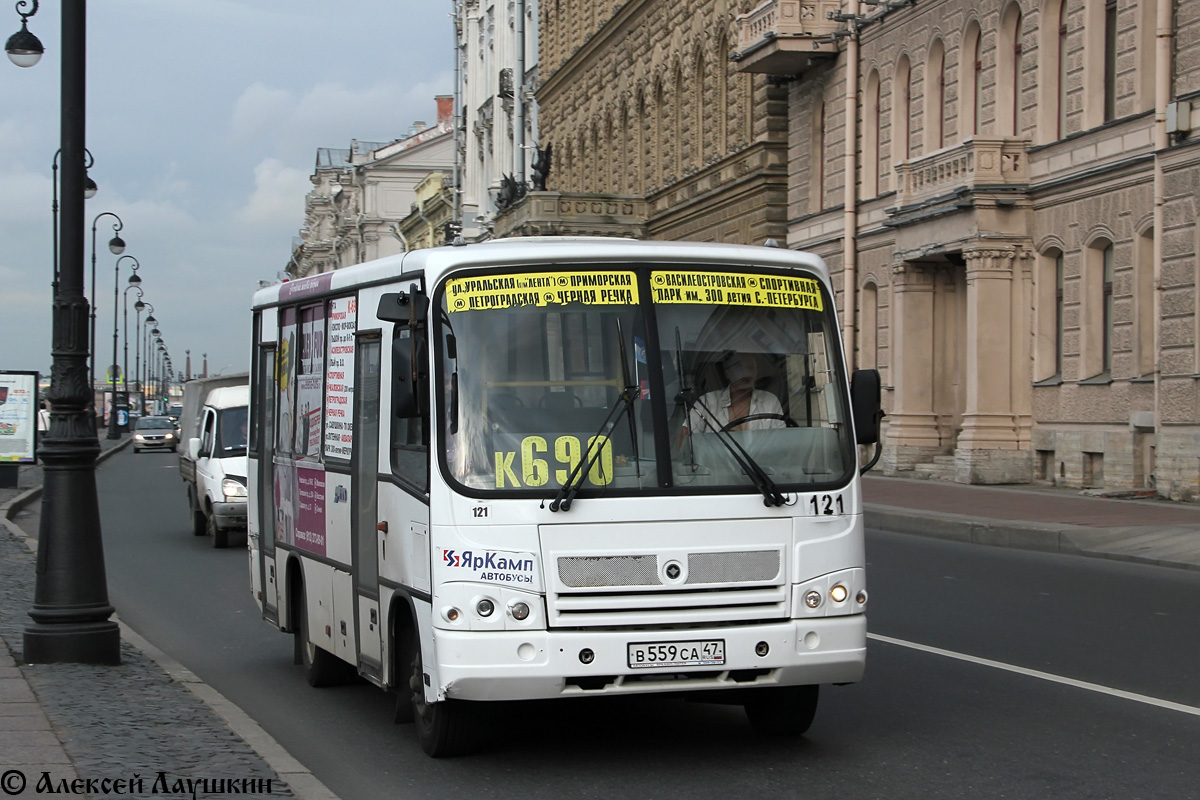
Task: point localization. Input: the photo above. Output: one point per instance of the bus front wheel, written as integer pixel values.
(445, 728)
(782, 711)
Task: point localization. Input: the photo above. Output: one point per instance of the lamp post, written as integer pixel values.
(160, 348)
(71, 610)
(139, 307)
(89, 191)
(116, 246)
(133, 286)
(151, 330)
(114, 432)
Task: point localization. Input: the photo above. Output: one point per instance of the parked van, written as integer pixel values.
(213, 464)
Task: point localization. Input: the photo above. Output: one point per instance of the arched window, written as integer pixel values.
(1051, 280)
(868, 355)
(935, 97)
(1106, 288)
(870, 165)
(1097, 300)
(1008, 79)
(1143, 303)
(720, 101)
(971, 93)
(1053, 69)
(1110, 60)
(818, 150)
(902, 110)
(1060, 55)
(677, 125)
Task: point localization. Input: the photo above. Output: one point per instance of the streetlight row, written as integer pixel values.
(70, 610)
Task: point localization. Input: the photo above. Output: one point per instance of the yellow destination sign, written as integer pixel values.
(491, 292)
(735, 288)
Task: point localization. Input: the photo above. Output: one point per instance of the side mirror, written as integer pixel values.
(193, 449)
(866, 405)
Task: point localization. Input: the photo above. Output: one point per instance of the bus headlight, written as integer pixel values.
(485, 607)
(839, 593)
(231, 489)
(812, 599)
(519, 610)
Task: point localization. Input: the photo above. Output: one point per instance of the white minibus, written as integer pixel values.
(562, 467)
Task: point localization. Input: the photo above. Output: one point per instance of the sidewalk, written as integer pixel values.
(145, 728)
(1148, 531)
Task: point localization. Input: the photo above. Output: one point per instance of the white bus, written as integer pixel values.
(555, 468)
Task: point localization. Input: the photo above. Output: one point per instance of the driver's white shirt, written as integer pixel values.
(718, 402)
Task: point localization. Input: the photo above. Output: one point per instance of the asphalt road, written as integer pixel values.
(985, 714)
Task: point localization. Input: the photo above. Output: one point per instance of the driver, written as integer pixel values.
(737, 400)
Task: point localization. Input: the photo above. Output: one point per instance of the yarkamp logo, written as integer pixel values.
(495, 566)
(339, 494)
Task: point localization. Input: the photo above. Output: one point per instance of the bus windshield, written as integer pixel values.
(737, 387)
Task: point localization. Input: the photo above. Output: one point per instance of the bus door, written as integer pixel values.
(364, 522)
(267, 398)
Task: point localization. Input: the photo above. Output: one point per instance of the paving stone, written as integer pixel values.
(113, 722)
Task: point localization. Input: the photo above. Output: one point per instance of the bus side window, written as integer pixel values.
(410, 434)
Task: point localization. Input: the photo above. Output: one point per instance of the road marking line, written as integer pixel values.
(1046, 676)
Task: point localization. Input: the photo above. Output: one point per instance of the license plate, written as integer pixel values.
(657, 655)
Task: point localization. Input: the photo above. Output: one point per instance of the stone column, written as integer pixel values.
(912, 435)
(989, 448)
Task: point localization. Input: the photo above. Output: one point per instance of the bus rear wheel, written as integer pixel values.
(782, 711)
(321, 668)
(445, 728)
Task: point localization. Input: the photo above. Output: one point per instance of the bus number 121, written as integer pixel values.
(827, 504)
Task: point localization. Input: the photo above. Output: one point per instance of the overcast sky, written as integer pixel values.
(204, 117)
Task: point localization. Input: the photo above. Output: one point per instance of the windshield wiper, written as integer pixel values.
(624, 405)
(758, 476)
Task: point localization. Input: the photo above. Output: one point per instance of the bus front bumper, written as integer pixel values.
(528, 665)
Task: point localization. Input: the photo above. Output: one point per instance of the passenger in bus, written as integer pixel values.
(740, 398)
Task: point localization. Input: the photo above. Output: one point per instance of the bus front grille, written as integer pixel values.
(668, 606)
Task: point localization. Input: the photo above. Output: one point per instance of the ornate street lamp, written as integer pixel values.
(71, 612)
(139, 307)
(134, 282)
(116, 246)
(23, 48)
(89, 191)
(114, 432)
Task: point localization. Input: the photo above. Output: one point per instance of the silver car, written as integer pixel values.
(155, 433)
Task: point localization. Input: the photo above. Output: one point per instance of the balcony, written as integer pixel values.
(987, 166)
(573, 214)
(786, 37)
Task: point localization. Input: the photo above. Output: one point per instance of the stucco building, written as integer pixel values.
(362, 192)
(1007, 189)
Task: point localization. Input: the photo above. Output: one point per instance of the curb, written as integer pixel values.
(1039, 537)
(303, 784)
